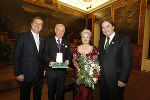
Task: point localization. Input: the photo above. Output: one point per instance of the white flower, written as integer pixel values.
(91, 71)
(86, 67)
(88, 80)
(78, 69)
(92, 86)
(98, 68)
(90, 62)
(95, 80)
(88, 72)
(92, 65)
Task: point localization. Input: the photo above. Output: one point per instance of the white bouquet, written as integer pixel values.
(88, 71)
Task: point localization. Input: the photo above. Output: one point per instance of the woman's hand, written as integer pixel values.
(75, 63)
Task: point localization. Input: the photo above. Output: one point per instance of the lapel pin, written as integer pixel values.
(65, 46)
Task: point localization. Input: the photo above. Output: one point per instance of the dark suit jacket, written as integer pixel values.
(26, 59)
(51, 50)
(116, 62)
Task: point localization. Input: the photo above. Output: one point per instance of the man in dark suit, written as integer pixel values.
(116, 61)
(28, 66)
(56, 76)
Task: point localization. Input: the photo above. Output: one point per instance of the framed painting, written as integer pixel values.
(100, 15)
(126, 19)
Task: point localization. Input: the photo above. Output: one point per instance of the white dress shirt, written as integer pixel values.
(36, 39)
(56, 38)
(110, 38)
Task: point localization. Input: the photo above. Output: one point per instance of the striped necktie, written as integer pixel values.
(58, 44)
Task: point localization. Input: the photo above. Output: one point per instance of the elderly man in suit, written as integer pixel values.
(116, 61)
(28, 65)
(56, 76)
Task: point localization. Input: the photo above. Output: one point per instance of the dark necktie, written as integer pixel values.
(58, 44)
(107, 43)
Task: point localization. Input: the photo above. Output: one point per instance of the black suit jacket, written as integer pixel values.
(26, 59)
(116, 62)
(51, 50)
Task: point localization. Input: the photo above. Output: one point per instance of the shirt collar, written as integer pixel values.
(111, 37)
(34, 34)
(57, 39)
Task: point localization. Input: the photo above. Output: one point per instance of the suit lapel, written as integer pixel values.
(33, 42)
(41, 44)
(62, 45)
(102, 42)
(114, 42)
(55, 44)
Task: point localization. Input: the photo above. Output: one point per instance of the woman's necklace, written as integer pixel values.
(85, 49)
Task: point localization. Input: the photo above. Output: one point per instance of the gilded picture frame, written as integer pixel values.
(126, 18)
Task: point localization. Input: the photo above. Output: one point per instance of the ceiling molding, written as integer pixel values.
(57, 7)
(89, 9)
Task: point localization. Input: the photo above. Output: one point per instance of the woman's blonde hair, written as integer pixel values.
(86, 31)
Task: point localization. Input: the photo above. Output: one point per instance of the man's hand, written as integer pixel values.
(44, 73)
(20, 78)
(67, 62)
(52, 63)
(121, 84)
